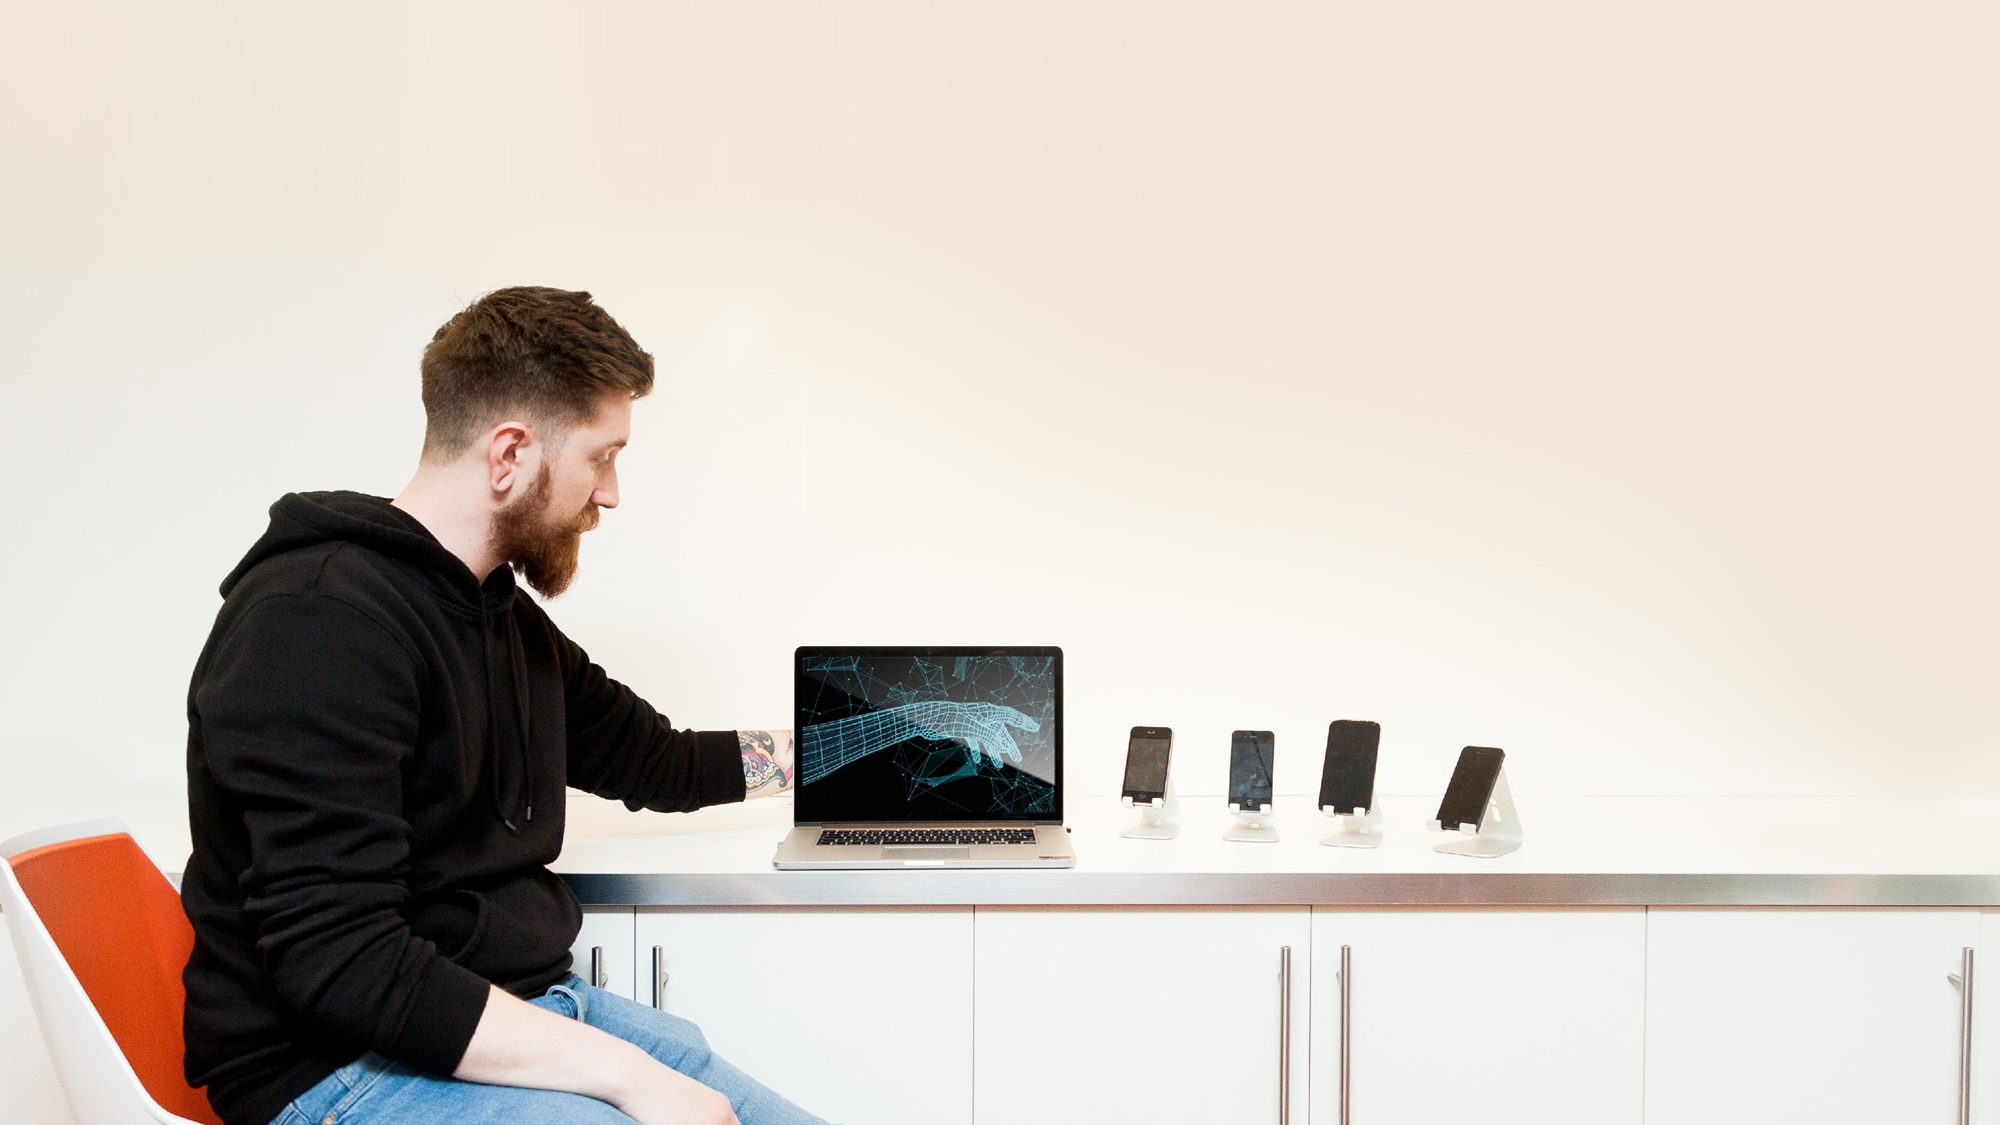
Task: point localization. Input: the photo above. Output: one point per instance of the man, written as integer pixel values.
(380, 729)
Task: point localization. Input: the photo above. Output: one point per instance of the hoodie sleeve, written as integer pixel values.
(308, 713)
(619, 747)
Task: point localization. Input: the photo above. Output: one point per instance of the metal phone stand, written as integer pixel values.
(1362, 829)
(1497, 833)
(1158, 820)
(1258, 827)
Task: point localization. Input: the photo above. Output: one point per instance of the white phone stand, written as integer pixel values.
(1362, 830)
(1258, 827)
(1159, 820)
(1497, 833)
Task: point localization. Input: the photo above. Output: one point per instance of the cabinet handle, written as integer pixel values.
(660, 977)
(1346, 1026)
(597, 977)
(1285, 1035)
(1963, 979)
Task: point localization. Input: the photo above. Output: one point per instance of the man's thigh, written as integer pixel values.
(681, 1046)
(675, 1041)
(373, 1090)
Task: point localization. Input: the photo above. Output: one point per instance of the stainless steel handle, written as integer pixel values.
(1346, 1026)
(659, 977)
(597, 977)
(1963, 979)
(1285, 1035)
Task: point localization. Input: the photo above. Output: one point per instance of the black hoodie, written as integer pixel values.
(377, 748)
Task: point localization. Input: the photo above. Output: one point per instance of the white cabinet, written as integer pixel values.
(855, 1015)
(606, 940)
(1089, 1016)
(1086, 1015)
(1494, 1016)
(1828, 1016)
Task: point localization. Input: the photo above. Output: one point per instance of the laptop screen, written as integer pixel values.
(939, 734)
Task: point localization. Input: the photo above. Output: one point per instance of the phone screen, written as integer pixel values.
(1471, 787)
(1146, 762)
(1348, 781)
(1250, 768)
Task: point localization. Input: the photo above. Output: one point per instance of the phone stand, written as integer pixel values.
(1254, 827)
(1497, 833)
(1362, 830)
(1158, 820)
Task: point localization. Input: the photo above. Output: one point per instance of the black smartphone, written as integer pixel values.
(1347, 782)
(1471, 788)
(1146, 764)
(1250, 770)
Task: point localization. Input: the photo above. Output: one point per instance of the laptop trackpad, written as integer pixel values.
(933, 855)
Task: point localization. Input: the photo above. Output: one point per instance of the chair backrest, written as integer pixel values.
(102, 940)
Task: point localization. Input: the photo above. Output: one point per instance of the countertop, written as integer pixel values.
(1580, 851)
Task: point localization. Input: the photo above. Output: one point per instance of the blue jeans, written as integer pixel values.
(375, 1090)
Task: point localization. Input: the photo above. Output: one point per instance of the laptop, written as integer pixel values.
(927, 757)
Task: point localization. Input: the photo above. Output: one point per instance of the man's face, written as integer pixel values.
(539, 532)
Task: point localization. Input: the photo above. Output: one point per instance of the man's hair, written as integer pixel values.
(548, 353)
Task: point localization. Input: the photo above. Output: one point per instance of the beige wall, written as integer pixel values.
(1612, 385)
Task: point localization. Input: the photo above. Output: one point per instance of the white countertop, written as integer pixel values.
(1583, 850)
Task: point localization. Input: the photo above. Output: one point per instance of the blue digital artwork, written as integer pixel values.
(964, 735)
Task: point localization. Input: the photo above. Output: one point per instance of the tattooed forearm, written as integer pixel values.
(767, 761)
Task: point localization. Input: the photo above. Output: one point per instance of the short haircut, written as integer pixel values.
(547, 353)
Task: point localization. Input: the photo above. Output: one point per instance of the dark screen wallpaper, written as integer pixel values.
(1250, 766)
(930, 736)
(1146, 765)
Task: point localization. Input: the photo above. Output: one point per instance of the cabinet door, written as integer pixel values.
(1829, 1016)
(854, 1015)
(607, 933)
(1090, 1016)
(1494, 1016)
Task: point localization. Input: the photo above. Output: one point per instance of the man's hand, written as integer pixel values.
(660, 1095)
(519, 1044)
(767, 762)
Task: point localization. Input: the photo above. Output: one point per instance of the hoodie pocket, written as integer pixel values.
(517, 930)
(456, 924)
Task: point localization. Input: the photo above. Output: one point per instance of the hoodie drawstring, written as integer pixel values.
(517, 677)
(517, 668)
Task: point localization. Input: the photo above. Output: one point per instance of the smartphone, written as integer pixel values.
(1471, 788)
(1347, 782)
(1146, 764)
(1250, 770)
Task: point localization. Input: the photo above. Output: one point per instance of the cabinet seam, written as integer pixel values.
(972, 1070)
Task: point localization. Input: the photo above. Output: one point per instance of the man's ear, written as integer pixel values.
(510, 450)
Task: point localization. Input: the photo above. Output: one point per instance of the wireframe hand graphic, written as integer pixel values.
(984, 727)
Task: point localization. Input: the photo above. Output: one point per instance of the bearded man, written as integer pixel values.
(380, 729)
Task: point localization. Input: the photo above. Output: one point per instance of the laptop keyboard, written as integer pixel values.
(949, 836)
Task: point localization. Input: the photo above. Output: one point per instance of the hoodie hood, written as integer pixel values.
(301, 520)
(307, 519)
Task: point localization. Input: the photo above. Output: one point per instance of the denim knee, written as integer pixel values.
(680, 1043)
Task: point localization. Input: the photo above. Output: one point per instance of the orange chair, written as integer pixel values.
(102, 941)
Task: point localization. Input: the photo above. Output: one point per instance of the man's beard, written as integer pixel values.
(544, 556)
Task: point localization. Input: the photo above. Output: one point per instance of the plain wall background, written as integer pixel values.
(1615, 385)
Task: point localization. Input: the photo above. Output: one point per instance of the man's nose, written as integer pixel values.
(606, 495)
